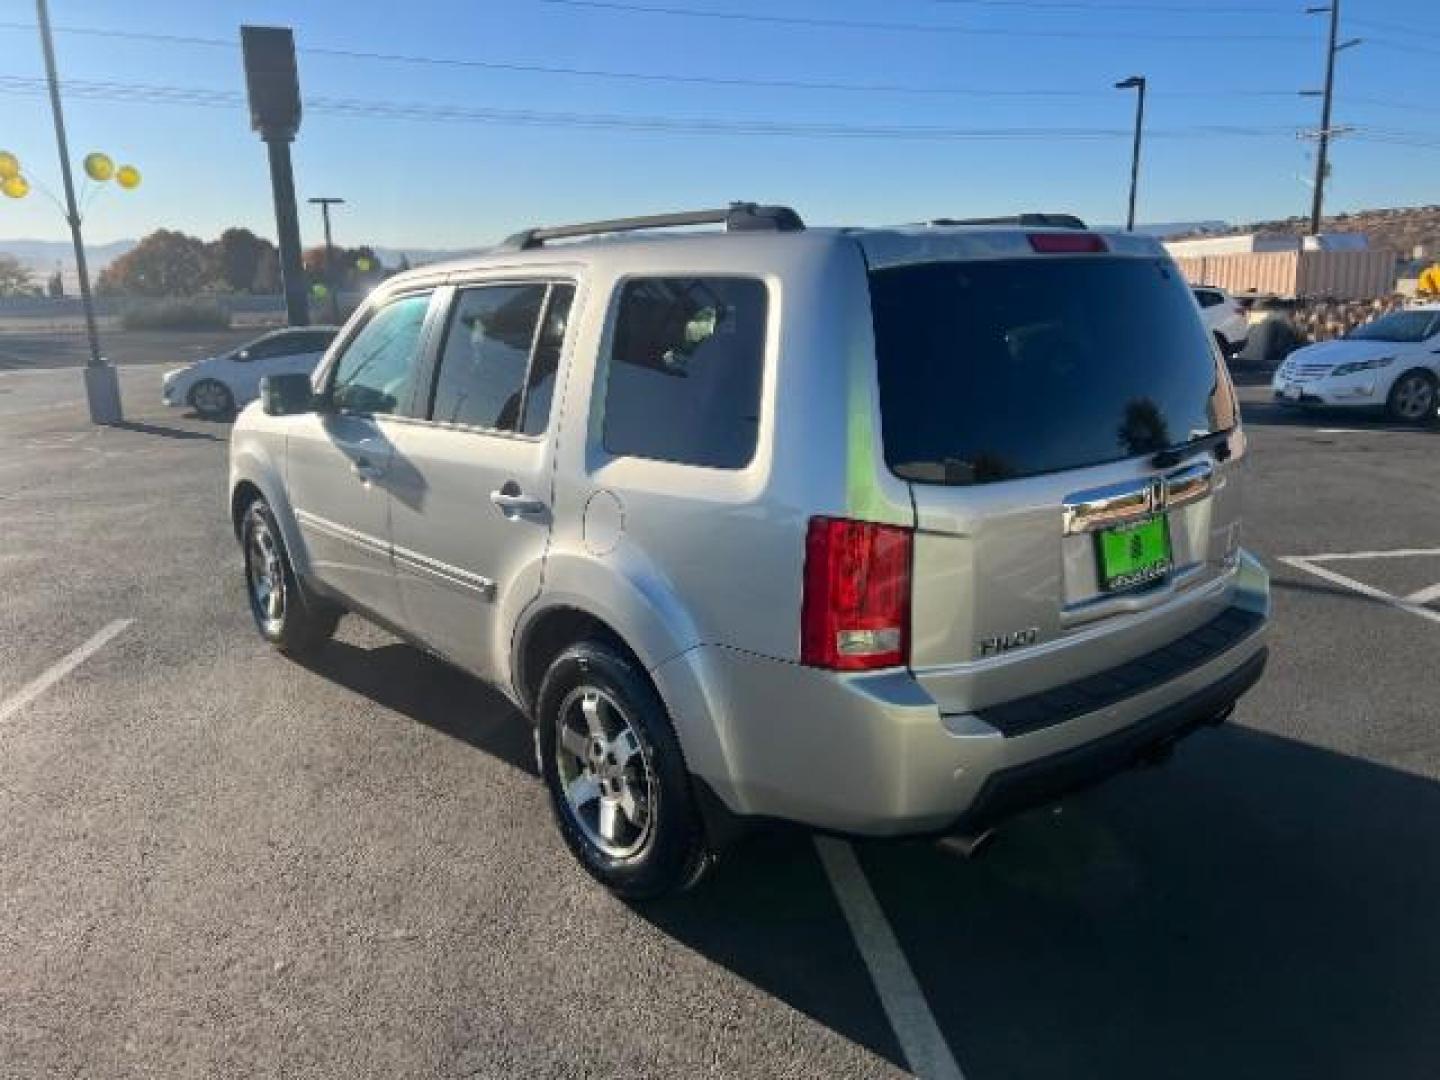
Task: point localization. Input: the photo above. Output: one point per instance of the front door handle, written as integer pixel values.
(363, 468)
(514, 503)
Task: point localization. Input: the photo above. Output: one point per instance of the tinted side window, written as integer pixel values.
(540, 387)
(1208, 299)
(307, 342)
(262, 349)
(486, 356)
(377, 369)
(685, 371)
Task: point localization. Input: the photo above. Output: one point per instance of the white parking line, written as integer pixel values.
(68, 663)
(1395, 429)
(905, 1006)
(1398, 553)
(1307, 563)
(1427, 595)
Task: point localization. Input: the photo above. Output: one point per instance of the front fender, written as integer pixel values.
(258, 458)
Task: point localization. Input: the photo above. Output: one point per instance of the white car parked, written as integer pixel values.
(1392, 362)
(220, 385)
(1223, 317)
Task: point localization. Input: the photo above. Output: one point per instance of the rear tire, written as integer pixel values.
(286, 617)
(212, 399)
(1413, 398)
(618, 785)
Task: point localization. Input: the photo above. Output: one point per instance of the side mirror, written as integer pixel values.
(286, 395)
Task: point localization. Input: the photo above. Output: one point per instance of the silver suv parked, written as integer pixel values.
(882, 531)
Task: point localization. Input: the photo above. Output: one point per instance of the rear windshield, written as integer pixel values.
(996, 370)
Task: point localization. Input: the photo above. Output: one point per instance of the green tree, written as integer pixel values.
(347, 265)
(14, 277)
(238, 256)
(165, 263)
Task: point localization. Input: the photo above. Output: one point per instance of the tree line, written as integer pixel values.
(172, 263)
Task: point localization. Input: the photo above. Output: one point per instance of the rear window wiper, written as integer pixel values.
(1174, 455)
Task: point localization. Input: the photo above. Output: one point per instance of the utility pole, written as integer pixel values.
(1322, 152)
(1137, 83)
(102, 387)
(325, 202)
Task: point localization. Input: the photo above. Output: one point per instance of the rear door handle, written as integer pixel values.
(514, 503)
(362, 468)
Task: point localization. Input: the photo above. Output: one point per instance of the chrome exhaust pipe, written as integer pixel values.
(965, 845)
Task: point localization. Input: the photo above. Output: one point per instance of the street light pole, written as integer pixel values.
(102, 387)
(1137, 83)
(325, 202)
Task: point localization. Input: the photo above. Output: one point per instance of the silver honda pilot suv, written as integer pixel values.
(881, 531)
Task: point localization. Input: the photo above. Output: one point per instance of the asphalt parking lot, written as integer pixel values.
(217, 862)
(23, 349)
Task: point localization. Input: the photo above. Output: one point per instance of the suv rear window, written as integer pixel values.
(998, 370)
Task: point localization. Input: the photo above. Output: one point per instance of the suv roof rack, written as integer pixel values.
(737, 217)
(1025, 221)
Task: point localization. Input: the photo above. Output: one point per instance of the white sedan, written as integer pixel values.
(1393, 362)
(218, 386)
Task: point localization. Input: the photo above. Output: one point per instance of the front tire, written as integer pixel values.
(618, 785)
(288, 619)
(212, 399)
(1413, 398)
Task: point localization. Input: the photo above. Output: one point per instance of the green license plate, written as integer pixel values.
(1132, 555)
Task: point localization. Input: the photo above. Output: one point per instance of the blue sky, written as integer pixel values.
(1211, 64)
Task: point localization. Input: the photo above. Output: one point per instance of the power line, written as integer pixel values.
(1401, 46)
(660, 77)
(1134, 8)
(817, 22)
(109, 90)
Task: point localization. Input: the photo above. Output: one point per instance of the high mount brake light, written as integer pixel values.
(855, 615)
(1067, 243)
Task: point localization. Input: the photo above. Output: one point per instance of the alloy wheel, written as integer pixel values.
(265, 574)
(211, 398)
(604, 772)
(1414, 397)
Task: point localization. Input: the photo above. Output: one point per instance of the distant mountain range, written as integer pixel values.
(42, 256)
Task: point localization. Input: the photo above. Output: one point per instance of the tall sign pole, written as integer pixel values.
(273, 85)
(102, 386)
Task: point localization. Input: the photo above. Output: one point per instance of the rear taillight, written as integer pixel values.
(855, 615)
(1066, 243)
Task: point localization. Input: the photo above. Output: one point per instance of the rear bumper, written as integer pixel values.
(1034, 783)
(874, 755)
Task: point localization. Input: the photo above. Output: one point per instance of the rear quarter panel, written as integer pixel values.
(710, 556)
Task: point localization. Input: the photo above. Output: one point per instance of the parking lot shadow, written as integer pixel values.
(164, 431)
(1272, 414)
(1258, 907)
(432, 693)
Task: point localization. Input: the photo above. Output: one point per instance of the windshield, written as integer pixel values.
(1398, 326)
(996, 370)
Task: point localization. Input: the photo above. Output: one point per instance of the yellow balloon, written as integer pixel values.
(128, 177)
(17, 187)
(9, 165)
(99, 167)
